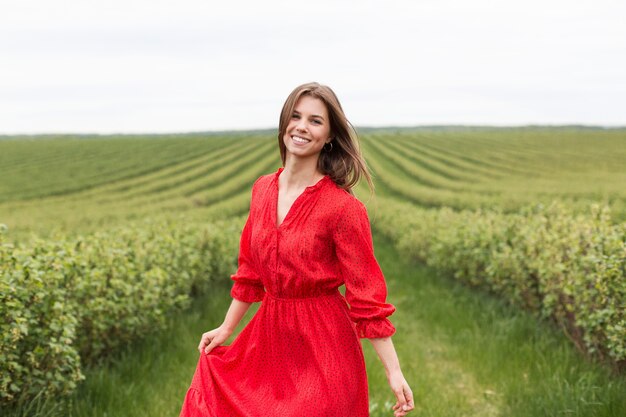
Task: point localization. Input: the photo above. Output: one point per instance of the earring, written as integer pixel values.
(331, 146)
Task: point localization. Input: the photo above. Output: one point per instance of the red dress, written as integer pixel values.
(300, 355)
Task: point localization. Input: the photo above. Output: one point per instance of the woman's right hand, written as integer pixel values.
(213, 338)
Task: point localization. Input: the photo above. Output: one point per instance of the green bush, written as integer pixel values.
(564, 266)
(67, 302)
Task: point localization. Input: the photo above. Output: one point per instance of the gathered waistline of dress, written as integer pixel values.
(332, 293)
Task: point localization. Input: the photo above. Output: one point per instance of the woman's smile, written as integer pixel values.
(308, 128)
(299, 140)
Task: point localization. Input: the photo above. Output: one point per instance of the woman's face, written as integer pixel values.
(308, 129)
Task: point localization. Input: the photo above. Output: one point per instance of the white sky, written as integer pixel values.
(189, 65)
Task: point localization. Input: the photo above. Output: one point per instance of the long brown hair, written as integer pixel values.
(344, 163)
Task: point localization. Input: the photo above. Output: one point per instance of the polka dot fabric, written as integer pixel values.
(300, 355)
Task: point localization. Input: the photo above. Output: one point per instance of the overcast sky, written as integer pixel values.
(193, 65)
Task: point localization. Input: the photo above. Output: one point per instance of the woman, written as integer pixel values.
(305, 236)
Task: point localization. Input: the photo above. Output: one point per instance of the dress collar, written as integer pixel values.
(313, 187)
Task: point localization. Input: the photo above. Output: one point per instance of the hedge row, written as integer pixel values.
(68, 302)
(565, 266)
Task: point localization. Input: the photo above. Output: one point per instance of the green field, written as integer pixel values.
(502, 349)
(502, 168)
(82, 184)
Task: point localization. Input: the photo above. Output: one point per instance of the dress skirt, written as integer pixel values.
(296, 357)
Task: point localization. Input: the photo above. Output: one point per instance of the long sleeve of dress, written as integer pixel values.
(366, 290)
(247, 284)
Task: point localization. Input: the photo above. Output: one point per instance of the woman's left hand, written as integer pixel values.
(403, 393)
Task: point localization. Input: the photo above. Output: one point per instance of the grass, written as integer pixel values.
(152, 379)
(464, 353)
(149, 378)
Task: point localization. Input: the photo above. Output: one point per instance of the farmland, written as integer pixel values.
(527, 216)
(74, 184)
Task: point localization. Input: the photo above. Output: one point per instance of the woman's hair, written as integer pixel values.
(344, 164)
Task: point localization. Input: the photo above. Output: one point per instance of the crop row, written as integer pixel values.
(69, 165)
(424, 180)
(568, 267)
(69, 302)
(184, 191)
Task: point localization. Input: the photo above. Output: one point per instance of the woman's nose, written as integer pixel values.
(301, 126)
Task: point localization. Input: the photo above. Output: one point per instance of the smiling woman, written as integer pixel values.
(306, 235)
(308, 130)
(314, 111)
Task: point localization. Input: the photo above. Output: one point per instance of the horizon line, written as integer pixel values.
(357, 128)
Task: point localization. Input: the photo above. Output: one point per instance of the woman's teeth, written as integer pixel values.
(299, 139)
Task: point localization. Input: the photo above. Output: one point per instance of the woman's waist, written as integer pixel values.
(300, 296)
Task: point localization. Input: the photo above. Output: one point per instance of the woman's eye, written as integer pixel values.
(295, 116)
(317, 122)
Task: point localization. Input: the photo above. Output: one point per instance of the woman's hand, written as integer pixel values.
(213, 338)
(403, 393)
